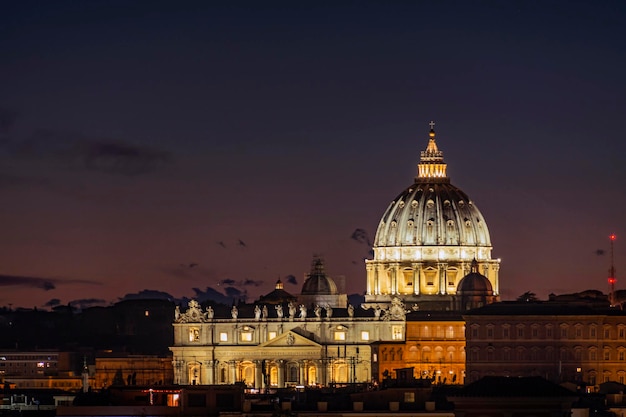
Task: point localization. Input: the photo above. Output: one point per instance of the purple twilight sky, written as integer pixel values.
(139, 137)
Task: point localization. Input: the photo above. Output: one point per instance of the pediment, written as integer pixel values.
(290, 339)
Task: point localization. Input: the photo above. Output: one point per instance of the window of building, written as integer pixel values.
(506, 354)
(622, 332)
(474, 331)
(271, 335)
(535, 332)
(564, 332)
(194, 334)
(607, 355)
(440, 332)
(607, 333)
(396, 332)
(223, 337)
(520, 331)
(505, 332)
(246, 336)
(578, 354)
(592, 331)
(365, 335)
(621, 355)
(490, 332)
(593, 355)
(620, 379)
(549, 331)
(450, 332)
(579, 332)
(340, 335)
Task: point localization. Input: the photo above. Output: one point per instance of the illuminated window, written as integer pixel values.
(194, 334)
(40, 364)
(271, 335)
(365, 335)
(396, 332)
(246, 336)
(223, 337)
(146, 313)
(340, 335)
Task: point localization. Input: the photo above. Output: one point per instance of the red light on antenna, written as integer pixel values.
(613, 237)
(612, 280)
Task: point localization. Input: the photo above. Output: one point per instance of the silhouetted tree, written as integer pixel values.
(528, 296)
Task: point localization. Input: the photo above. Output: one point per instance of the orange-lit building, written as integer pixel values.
(434, 348)
(133, 370)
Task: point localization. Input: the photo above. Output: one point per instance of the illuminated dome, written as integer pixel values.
(427, 239)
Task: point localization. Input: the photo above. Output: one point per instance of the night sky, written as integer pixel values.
(138, 139)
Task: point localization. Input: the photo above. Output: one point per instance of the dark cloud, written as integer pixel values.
(361, 236)
(211, 294)
(45, 284)
(80, 152)
(228, 281)
(233, 292)
(600, 252)
(53, 302)
(83, 303)
(290, 279)
(251, 282)
(148, 295)
(124, 159)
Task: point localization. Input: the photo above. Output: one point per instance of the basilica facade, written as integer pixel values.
(277, 349)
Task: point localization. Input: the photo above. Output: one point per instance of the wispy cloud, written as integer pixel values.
(45, 284)
(77, 151)
(83, 303)
(53, 302)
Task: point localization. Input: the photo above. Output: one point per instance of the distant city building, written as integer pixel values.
(572, 341)
(40, 369)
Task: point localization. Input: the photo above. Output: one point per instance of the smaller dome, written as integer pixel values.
(475, 282)
(318, 283)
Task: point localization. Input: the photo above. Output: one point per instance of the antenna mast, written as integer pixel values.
(612, 280)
